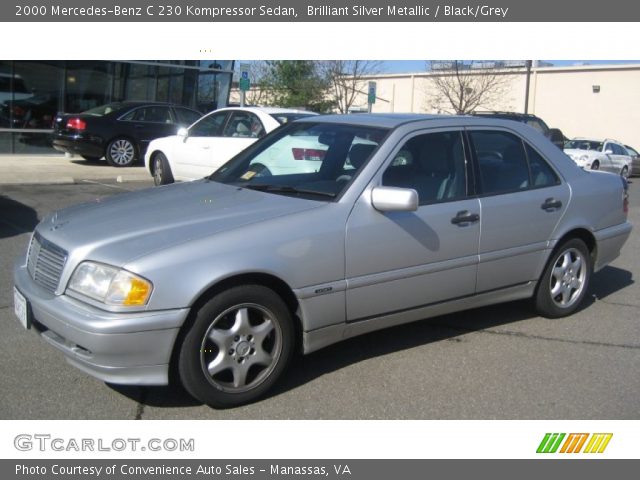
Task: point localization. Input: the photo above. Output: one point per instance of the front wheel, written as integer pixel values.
(595, 165)
(121, 152)
(625, 172)
(239, 344)
(565, 280)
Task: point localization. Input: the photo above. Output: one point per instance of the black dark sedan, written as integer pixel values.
(120, 131)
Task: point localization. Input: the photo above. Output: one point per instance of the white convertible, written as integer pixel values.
(608, 155)
(211, 141)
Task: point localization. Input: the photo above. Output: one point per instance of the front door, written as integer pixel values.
(398, 261)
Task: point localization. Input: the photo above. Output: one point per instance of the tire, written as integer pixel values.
(121, 152)
(595, 165)
(624, 173)
(161, 170)
(565, 280)
(240, 342)
(90, 159)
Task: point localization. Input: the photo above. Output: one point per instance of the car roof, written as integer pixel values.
(392, 120)
(268, 110)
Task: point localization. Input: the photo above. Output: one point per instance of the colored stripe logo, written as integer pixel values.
(574, 443)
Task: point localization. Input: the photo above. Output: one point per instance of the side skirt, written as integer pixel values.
(323, 337)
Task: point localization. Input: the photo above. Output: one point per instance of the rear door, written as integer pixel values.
(148, 123)
(522, 199)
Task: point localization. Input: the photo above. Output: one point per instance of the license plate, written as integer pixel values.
(21, 309)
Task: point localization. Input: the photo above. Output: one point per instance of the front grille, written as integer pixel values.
(45, 262)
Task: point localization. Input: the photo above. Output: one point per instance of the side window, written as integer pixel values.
(186, 117)
(618, 150)
(209, 126)
(245, 125)
(542, 175)
(433, 164)
(153, 115)
(501, 160)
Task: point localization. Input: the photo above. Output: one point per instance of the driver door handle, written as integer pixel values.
(464, 218)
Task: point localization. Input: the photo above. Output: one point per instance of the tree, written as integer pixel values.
(346, 80)
(463, 87)
(297, 83)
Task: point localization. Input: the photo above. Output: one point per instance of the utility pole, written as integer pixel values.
(526, 93)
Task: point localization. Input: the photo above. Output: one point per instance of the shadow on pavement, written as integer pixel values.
(16, 218)
(306, 368)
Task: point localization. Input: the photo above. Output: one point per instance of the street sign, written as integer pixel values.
(372, 92)
(244, 82)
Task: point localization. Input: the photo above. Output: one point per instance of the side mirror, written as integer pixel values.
(183, 133)
(608, 152)
(393, 199)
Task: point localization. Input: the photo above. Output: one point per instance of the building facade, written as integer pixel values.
(32, 92)
(600, 101)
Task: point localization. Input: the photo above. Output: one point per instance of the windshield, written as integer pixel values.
(310, 160)
(103, 109)
(584, 145)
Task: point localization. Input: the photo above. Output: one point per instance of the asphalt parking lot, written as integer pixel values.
(500, 362)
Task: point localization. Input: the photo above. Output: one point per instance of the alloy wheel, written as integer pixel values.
(568, 278)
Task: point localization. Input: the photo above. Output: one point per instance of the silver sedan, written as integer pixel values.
(400, 218)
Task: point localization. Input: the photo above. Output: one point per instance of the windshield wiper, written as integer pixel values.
(262, 187)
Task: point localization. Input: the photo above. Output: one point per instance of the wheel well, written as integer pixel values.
(587, 237)
(266, 280)
(151, 157)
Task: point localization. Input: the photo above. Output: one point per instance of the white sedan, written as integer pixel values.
(608, 155)
(211, 141)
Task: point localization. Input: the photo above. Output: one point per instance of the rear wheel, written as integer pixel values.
(565, 280)
(161, 170)
(239, 344)
(121, 152)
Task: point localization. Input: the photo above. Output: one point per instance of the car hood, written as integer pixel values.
(119, 229)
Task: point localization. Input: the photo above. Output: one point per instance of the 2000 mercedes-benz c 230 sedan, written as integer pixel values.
(404, 217)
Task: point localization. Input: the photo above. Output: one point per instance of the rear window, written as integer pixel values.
(103, 109)
(283, 118)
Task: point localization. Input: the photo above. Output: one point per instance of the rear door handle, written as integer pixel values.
(464, 218)
(551, 204)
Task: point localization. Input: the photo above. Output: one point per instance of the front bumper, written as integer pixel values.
(121, 348)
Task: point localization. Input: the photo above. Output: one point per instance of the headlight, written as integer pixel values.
(110, 285)
(584, 158)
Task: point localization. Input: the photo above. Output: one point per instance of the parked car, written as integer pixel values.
(211, 141)
(225, 277)
(607, 155)
(554, 134)
(635, 160)
(119, 131)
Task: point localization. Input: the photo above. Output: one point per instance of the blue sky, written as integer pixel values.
(405, 66)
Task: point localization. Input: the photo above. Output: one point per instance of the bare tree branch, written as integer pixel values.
(461, 89)
(346, 79)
